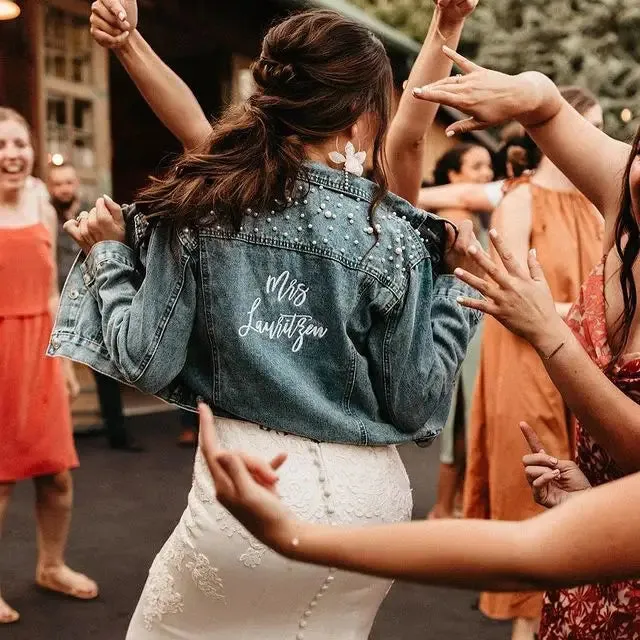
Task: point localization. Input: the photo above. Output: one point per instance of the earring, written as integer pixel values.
(353, 160)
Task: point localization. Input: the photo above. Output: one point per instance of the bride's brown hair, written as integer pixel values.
(317, 74)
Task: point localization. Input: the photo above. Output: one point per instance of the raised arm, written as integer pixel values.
(470, 196)
(592, 160)
(410, 126)
(113, 25)
(146, 319)
(562, 547)
(521, 300)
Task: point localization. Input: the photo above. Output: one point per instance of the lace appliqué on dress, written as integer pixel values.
(161, 596)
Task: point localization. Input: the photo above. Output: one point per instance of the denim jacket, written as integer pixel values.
(316, 321)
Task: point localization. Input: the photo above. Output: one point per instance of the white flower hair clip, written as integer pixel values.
(352, 160)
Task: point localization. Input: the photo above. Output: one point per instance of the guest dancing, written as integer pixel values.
(545, 212)
(291, 294)
(36, 440)
(463, 164)
(605, 318)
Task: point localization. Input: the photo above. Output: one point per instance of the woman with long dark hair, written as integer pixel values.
(36, 438)
(605, 316)
(308, 305)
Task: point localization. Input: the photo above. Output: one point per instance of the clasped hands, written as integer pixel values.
(104, 222)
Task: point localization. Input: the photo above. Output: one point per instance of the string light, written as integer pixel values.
(8, 10)
(57, 159)
(626, 115)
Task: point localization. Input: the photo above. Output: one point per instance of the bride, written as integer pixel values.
(285, 290)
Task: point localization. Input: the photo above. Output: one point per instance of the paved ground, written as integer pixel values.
(127, 504)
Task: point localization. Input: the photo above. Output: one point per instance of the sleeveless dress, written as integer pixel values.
(513, 385)
(36, 436)
(611, 611)
(212, 579)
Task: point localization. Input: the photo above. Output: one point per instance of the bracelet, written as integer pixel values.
(553, 353)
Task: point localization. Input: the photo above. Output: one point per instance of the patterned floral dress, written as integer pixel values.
(596, 612)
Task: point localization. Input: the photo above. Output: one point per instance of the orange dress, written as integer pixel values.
(36, 436)
(513, 385)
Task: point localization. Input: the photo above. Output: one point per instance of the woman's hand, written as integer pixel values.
(246, 487)
(112, 21)
(452, 12)
(490, 97)
(552, 481)
(457, 255)
(518, 298)
(104, 222)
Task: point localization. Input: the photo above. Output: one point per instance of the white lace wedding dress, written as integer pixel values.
(213, 580)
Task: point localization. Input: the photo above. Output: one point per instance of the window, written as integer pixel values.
(75, 94)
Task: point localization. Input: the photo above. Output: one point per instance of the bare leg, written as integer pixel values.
(54, 497)
(7, 614)
(447, 490)
(451, 476)
(524, 629)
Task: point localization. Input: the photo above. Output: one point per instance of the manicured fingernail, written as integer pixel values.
(450, 134)
(460, 300)
(458, 271)
(417, 90)
(122, 15)
(554, 461)
(534, 253)
(556, 473)
(493, 233)
(473, 249)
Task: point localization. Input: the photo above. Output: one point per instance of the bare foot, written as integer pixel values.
(7, 614)
(64, 580)
(438, 513)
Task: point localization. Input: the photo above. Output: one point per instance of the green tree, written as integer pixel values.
(591, 43)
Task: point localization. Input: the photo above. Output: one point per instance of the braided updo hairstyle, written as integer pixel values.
(318, 73)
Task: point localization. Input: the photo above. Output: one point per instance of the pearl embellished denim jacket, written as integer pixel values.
(316, 321)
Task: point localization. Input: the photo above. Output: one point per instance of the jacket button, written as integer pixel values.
(54, 345)
(73, 294)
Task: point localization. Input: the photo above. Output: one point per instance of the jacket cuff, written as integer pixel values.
(102, 252)
(452, 288)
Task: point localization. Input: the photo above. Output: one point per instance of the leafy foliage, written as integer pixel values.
(591, 43)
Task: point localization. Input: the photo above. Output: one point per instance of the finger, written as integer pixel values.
(210, 450)
(509, 261)
(448, 95)
(484, 261)
(98, 24)
(261, 470)
(107, 41)
(463, 63)
(540, 459)
(533, 473)
(116, 8)
(238, 473)
(114, 209)
(534, 442)
(486, 306)
(278, 461)
(101, 12)
(479, 284)
(465, 126)
(545, 479)
(72, 228)
(103, 214)
(535, 268)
